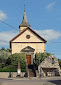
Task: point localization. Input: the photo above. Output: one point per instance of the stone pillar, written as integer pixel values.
(40, 71)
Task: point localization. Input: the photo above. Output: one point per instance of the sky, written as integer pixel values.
(44, 16)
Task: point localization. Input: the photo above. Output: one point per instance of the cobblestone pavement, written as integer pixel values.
(32, 81)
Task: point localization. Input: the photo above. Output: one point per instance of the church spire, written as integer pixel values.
(24, 17)
(24, 21)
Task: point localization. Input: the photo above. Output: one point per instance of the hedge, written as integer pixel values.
(11, 70)
(7, 70)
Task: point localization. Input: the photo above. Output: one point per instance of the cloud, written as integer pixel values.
(2, 15)
(49, 34)
(50, 5)
(6, 36)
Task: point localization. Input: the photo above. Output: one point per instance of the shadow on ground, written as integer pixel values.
(56, 82)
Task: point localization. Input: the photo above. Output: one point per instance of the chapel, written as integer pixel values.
(27, 41)
(30, 42)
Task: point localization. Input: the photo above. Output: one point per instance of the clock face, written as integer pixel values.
(27, 36)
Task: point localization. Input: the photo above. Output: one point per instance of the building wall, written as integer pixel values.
(47, 67)
(14, 74)
(22, 28)
(34, 42)
(49, 61)
(17, 47)
(39, 44)
(33, 37)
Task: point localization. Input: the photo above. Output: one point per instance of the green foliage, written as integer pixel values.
(10, 68)
(9, 63)
(3, 57)
(0, 65)
(39, 57)
(5, 69)
(3, 48)
(13, 60)
(59, 60)
(12, 63)
(23, 70)
(7, 50)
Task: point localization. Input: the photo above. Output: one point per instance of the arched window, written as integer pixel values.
(52, 60)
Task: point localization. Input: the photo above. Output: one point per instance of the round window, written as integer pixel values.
(27, 36)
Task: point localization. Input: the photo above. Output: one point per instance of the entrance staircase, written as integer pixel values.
(31, 71)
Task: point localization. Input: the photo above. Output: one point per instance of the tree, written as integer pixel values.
(39, 57)
(3, 57)
(8, 50)
(3, 48)
(14, 58)
(59, 60)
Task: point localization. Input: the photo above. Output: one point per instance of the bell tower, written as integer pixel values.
(24, 23)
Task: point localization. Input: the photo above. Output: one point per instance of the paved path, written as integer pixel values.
(32, 81)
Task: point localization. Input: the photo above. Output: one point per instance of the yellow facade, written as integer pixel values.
(17, 47)
(34, 44)
(21, 42)
(33, 37)
(22, 28)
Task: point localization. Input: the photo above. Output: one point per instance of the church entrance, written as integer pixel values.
(28, 57)
(29, 51)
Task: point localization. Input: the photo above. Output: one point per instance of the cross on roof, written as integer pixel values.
(24, 5)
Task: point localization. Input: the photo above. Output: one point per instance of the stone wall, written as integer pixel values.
(6, 74)
(48, 63)
(47, 68)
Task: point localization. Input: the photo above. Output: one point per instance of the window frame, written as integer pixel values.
(52, 60)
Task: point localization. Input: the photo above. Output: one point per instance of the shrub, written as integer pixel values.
(7, 69)
(39, 57)
(10, 68)
(13, 60)
(59, 60)
(3, 57)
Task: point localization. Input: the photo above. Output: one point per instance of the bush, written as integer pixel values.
(3, 57)
(10, 69)
(7, 70)
(13, 61)
(59, 60)
(39, 57)
(23, 70)
(0, 65)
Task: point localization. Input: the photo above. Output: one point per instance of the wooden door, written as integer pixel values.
(28, 57)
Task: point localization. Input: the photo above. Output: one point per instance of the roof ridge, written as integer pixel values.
(32, 31)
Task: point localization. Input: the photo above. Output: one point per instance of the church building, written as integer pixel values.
(27, 41)
(30, 42)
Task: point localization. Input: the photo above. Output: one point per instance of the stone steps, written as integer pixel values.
(31, 73)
